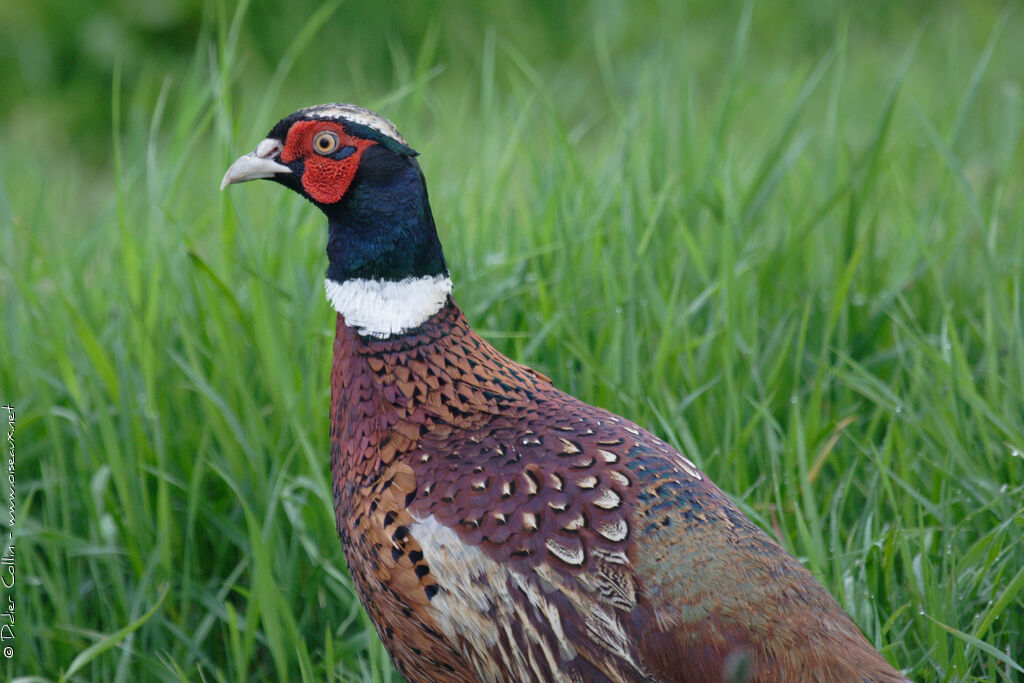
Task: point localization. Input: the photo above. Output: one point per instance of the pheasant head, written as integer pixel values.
(386, 272)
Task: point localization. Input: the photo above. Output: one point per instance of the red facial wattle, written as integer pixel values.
(325, 179)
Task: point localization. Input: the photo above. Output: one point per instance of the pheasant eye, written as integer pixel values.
(325, 142)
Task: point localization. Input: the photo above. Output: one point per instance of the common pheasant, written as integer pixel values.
(496, 528)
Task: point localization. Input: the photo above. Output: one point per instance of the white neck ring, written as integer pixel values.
(384, 308)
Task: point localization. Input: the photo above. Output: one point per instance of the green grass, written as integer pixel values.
(791, 244)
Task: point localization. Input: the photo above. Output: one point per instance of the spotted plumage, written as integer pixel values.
(498, 529)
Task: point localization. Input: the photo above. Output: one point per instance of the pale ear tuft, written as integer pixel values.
(387, 133)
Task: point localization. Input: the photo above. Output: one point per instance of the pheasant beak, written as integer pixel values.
(260, 163)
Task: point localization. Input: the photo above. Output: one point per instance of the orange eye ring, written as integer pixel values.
(326, 142)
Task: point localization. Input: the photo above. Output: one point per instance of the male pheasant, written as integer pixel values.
(496, 528)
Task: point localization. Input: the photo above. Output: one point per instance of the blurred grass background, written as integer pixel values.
(786, 236)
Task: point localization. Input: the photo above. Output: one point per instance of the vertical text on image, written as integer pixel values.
(7, 636)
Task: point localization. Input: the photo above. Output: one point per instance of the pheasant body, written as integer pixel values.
(498, 529)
